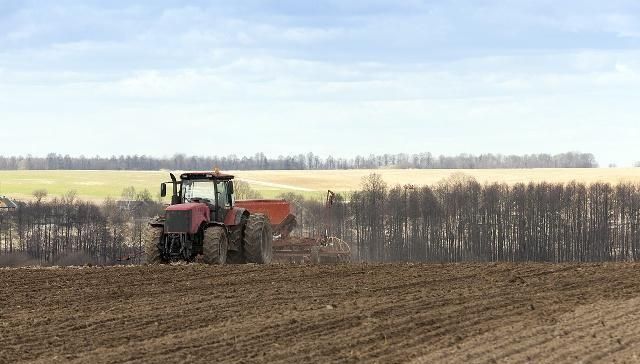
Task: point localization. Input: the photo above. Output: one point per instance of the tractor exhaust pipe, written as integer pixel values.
(175, 199)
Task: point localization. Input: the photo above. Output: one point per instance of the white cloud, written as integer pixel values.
(446, 78)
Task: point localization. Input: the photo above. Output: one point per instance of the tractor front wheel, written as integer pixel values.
(215, 245)
(258, 240)
(151, 237)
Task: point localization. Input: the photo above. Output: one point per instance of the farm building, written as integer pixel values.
(6, 204)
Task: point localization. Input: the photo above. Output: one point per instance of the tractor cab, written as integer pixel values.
(210, 188)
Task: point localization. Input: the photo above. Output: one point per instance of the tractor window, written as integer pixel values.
(198, 189)
(223, 197)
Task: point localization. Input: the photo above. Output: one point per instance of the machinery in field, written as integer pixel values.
(290, 249)
(205, 223)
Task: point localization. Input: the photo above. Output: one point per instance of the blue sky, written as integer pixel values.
(331, 77)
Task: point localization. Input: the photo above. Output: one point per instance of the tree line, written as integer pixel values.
(68, 231)
(462, 220)
(454, 221)
(307, 161)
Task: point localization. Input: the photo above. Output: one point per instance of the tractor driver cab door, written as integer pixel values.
(224, 202)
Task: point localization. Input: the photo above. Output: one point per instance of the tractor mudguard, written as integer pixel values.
(234, 216)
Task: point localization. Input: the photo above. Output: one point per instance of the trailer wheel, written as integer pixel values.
(258, 240)
(215, 245)
(151, 237)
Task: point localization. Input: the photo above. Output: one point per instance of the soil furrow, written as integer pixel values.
(305, 313)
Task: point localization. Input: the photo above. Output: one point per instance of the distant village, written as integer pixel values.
(6, 204)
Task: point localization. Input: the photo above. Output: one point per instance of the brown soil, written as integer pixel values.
(348, 313)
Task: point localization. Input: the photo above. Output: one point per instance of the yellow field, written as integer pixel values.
(346, 180)
(97, 185)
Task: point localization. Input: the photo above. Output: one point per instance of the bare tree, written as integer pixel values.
(243, 191)
(40, 194)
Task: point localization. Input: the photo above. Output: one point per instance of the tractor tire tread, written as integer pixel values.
(256, 248)
(214, 246)
(151, 236)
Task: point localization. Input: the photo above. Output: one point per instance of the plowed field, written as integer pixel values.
(348, 313)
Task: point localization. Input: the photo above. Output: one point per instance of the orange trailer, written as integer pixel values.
(289, 249)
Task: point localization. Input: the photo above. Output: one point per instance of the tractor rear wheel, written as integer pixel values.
(151, 237)
(258, 240)
(215, 245)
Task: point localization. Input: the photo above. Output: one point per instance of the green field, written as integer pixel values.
(97, 185)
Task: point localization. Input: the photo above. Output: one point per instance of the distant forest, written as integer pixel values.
(463, 220)
(307, 161)
(457, 220)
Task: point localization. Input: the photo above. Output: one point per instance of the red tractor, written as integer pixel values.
(203, 224)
